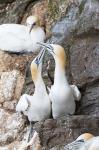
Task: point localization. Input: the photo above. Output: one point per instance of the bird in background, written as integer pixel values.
(38, 106)
(62, 95)
(17, 38)
(85, 141)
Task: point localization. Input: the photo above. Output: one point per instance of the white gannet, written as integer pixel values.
(38, 106)
(85, 141)
(17, 38)
(62, 94)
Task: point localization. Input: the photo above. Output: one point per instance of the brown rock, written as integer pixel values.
(10, 105)
(12, 11)
(88, 22)
(84, 53)
(11, 124)
(10, 146)
(19, 86)
(9, 62)
(11, 85)
(84, 64)
(7, 85)
(65, 130)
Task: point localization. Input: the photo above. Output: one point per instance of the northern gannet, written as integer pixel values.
(17, 38)
(38, 106)
(85, 141)
(62, 94)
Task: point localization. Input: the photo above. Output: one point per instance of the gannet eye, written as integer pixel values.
(81, 140)
(34, 23)
(37, 61)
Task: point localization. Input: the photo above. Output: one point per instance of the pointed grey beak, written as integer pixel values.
(40, 56)
(31, 28)
(47, 46)
(43, 44)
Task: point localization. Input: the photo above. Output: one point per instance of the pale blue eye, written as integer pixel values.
(37, 61)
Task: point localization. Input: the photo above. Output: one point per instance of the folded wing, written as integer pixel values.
(23, 103)
(76, 92)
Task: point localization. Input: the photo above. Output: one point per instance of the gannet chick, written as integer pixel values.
(38, 106)
(34, 143)
(17, 38)
(62, 94)
(85, 141)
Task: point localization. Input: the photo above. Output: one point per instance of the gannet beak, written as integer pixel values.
(31, 27)
(47, 46)
(39, 58)
(43, 44)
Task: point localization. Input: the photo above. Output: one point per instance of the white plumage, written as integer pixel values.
(76, 92)
(18, 38)
(62, 94)
(85, 141)
(38, 106)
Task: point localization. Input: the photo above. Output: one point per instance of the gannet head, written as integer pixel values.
(57, 51)
(36, 65)
(85, 137)
(31, 22)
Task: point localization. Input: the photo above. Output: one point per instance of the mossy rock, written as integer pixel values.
(57, 9)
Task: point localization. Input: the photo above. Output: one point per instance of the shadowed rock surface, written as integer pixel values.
(66, 129)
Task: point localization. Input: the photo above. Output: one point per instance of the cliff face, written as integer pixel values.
(75, 25)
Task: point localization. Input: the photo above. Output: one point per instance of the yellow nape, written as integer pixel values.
(60, 52)
(87, 136)
(33, 20)
(36, 20)
(34, 71)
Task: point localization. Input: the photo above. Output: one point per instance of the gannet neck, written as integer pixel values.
(29, 27)
(39, 85)
(60, 75)
(37, 78)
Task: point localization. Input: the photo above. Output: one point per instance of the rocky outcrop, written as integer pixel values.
(65, 130)
(12, 80)
(11, 85)
(13, 10)
(11, 125)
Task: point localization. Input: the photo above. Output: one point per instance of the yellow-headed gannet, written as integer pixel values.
(62, 94)
(85, 141)
(38, 106)
(17, 38)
